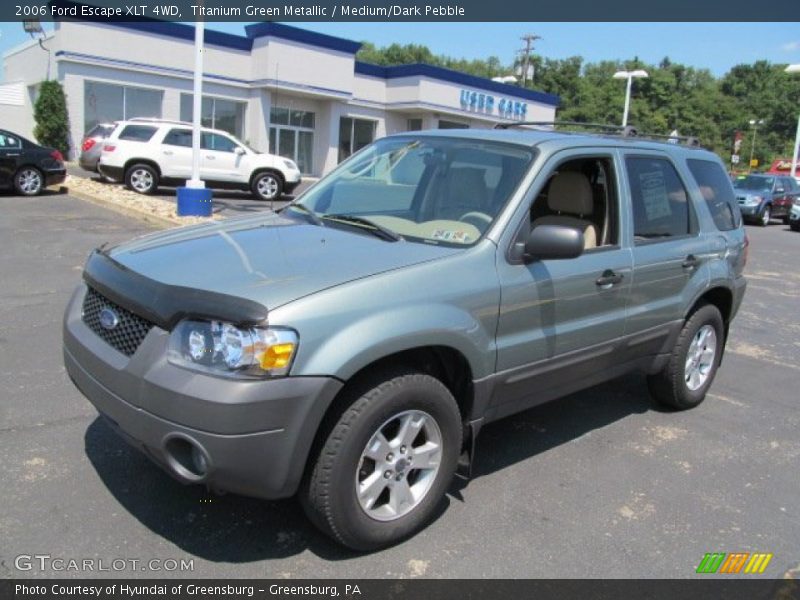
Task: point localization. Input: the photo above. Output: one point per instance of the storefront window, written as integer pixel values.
(104, 103)
(216, 113)
(291, 134)
(452, 125)
(414, 125)
(354, 134)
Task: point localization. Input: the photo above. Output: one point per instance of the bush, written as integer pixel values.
(50, 115)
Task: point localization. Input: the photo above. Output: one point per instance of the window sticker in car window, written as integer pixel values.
(447, 235)
(654, 195)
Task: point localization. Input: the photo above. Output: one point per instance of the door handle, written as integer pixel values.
(690, 262)
(608, 279)
(209, 157)
(168, 152)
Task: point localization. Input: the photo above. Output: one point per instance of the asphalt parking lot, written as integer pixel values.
(600, 484)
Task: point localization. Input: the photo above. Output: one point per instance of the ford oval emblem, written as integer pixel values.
(108, 319)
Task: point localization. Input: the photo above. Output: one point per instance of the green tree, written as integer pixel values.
(50, 115)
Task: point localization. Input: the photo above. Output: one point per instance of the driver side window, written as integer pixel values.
(581, 193)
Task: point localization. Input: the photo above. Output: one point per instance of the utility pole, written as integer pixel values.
(528, 39)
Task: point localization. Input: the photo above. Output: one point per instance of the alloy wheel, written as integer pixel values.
(700, 357)
(399, 465)
(29, 181)
(142, 180)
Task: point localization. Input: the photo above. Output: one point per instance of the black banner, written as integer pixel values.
(369, 589)
(392, 11)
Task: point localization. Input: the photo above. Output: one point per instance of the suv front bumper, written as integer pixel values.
(254, 435)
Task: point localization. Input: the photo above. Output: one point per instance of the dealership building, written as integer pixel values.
(281, 89)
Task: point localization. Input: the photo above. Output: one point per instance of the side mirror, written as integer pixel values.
(553, 242)
(239, 151)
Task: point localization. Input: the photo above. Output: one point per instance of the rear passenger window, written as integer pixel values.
(137, 133)
(718, 193)
(659, 198)
(179, 137)
(9, 142)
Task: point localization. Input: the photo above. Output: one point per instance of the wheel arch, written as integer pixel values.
(259, 170)
(140, 161)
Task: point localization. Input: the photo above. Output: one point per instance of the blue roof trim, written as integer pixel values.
(279, 30)
(420, 69)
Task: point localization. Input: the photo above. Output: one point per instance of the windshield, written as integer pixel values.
(755, 183)
(427, 190)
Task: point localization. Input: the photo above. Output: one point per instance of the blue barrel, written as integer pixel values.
(194, 202)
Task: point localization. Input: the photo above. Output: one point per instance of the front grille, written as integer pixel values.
(130, 330)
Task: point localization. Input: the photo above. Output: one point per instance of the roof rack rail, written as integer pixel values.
(626, 131)
(158, 120)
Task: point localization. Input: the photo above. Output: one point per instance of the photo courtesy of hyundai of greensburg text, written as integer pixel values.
(431, 300)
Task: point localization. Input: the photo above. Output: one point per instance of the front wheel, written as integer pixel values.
(386, 463)
(267, 186)
(766, 215)
(28, 181)
(688, 374)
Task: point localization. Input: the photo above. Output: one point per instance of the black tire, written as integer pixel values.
(28, 181)
(785, 219)
(794, 225)
(267, 185)
(141, 178)
(765, 216)
(329, 494)
(669, 386)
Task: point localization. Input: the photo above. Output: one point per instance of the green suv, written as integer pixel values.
(349, 348)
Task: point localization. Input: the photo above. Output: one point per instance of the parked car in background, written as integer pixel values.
(794, 215)
(146, 153)
(92, 145)
(763, 196)
(27, 167)
(349, 348)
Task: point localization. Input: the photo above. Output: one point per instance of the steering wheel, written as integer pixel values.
(477, 218)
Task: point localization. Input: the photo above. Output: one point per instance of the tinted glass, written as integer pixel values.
(8, 142)
(717, 191)
(137, 133)
(179, 137)
(213, 141)
(102, 103)
(142, 103)
(659, 198)
(755, 182)
(279, 116)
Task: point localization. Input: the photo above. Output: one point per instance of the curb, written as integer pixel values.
(156, 220)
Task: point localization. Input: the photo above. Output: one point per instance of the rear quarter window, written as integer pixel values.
(717, 191)
(137, 133)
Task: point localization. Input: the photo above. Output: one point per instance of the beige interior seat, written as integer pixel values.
(570, 198)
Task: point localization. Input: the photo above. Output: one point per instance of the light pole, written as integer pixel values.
(629, 75)
(754, 123)
(795, 69)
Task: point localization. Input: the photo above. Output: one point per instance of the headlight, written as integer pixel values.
(754, 199)
(225, 349)
(290, 164)
(797, 201)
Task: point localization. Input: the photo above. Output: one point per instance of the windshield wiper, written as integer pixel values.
(311, 214)
(367, 224)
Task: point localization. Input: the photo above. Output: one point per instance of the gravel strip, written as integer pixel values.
(152, 209)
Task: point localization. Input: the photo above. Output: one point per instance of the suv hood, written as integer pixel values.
(271, 260)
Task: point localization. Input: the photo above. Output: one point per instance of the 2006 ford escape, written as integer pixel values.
(350, 348)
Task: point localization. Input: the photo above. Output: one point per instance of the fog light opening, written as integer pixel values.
(187, 458)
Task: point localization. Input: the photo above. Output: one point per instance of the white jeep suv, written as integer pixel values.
(146, 153)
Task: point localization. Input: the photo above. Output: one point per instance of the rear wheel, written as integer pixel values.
(267, 186)
(28, 181)
(141, 178)
(386, 463)
(688, 374)
(766, 215)
(795, 225)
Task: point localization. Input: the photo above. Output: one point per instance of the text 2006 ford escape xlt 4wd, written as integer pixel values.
(349, 348)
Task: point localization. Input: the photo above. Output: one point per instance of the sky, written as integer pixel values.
(714, 46)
